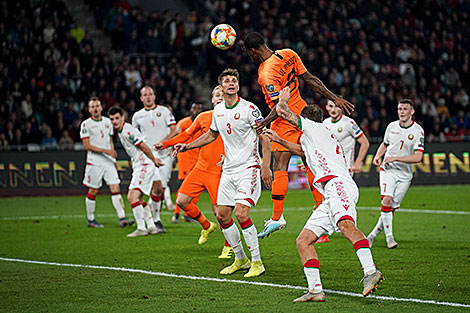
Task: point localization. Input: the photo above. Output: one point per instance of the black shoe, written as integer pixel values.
(160, 228)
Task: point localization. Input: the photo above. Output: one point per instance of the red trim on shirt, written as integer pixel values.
(326, 178)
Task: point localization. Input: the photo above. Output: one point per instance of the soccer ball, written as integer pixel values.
(223, 36)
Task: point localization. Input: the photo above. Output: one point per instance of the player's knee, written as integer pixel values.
(347, 228)
(182, 202)
(114, 188)
(302, 241)
(387, 201)
(93, 191)
(131, 197)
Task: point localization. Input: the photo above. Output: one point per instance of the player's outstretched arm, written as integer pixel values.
(271, 117)
(364, 142)
(293, 147)
(317, 85)
(203, 140)
(266, 173)
(146, 150)
(181, 137)
(379, 154)
(416, 157)
(283, 110)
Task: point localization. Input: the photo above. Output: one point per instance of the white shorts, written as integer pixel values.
(391, 186)
(94, 174)
(339, 202)
(243, 187)
(142, 178)
(163, 173)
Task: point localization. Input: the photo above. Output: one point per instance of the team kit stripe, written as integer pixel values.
(222, 280)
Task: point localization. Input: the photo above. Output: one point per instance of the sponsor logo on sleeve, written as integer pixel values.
(274, 94)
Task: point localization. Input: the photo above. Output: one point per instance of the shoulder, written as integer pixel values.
(418, 128)
(327, 120)
(83, 124)
(106, 120)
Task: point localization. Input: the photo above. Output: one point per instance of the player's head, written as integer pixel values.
(116, 115)
(406, 109)
(254, 42)
(95, 108)
(228, 81)
(217, 95)
(147, 96)
(312, 112)
(333, 110)
(196, 108)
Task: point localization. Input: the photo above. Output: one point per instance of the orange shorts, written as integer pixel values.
(197, 181)
(286, 131)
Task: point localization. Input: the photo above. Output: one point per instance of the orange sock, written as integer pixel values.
(193, 212)
(317, 196)
(280, 185)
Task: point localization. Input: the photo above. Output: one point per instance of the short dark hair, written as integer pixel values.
(228, 72)
(94, 99)
(409, 101)
(312, 112)
(114, 110)
(253, 40)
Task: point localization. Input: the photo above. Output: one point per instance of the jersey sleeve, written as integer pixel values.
(299, 65)
(270, 83)
(134, 121)
(387, 135)
(170, 119)
(419, 141)
(195, 126)
(214, 126)
(254, 115)
(356, 131)
(134, 136)
(84, 131)
(111, 128)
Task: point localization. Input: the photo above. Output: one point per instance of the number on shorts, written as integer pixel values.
(229, 128)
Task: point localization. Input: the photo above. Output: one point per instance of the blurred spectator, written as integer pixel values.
(65, 142)
(48, 141)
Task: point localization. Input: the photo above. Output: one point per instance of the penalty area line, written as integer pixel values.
(223, 280)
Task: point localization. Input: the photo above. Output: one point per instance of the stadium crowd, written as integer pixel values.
(372, 53)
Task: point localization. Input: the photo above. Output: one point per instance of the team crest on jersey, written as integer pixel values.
(107, 126)
(159, 114)
(236, 116)
(410, 136)
(269, 88)
(340, 129)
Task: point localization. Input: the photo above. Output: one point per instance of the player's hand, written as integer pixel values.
(157, 146)
(267, 177)
(158, 162)
(389, 160)
(302, 167)
(344, 104)
(284, 95)
(271, 134)
(376, 161)
(111, 152)
(356, 168)
(259, 127)
(221, 162)
(179, 147)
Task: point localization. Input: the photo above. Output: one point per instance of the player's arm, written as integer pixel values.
(379, 154)
(266, 173)
(203, 140)
(293, 147)
(271, 117)
(146, 150)
(90, 147)
(173, 132)
(416, 157)
(181, 137)
(364, 143)
(283, 110)
(317, 85)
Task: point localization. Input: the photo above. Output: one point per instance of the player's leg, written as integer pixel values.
(118, 204)
(167, 196)
(155, 203)
(134, 198)
(309, 259)
(90, 204)
(401, 187)
(280, 182)
(93, 180)
(317, 196)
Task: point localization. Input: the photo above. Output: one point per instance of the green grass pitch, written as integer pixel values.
(432, 261)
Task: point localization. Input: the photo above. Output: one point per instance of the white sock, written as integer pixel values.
(139, 216)
(313, 278)
(387, 219)
(90, 208)
(365, 256)
(378, 228)
(232, 235)
(148, 217)
(118, 205)
(251, 238)
(155, 208)
(167, 195)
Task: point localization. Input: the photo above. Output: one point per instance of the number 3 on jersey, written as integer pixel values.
(229, 128)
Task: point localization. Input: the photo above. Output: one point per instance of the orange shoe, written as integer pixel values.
(322, 239)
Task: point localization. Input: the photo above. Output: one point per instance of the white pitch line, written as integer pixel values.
(74, 216)
(223, 280)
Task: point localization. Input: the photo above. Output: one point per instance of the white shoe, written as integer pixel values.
(138, 233)
(371, 239)
(270, 226)
(152, 230)
(391, 243)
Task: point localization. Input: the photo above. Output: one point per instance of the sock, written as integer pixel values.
(90, 204)
(387, 220)
(317, 196)
(167, 196)
(138, 211)
(365, 256)
(148, 215)
(312, 273)
(177, 207)
(279, 190)
(251, 238)
(225, 242)
(118, 204)
(193, 212)
(155, 204)
(232, 235)
(378, 228)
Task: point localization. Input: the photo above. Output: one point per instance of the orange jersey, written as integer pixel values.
(282, 69)
(209, 155)
(186, 160)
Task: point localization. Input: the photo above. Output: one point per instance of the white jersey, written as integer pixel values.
(99, 132)
(131, 139)
(347, 132)
(324, 153)
(155, 125)
(401, 141)
(235, 126)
